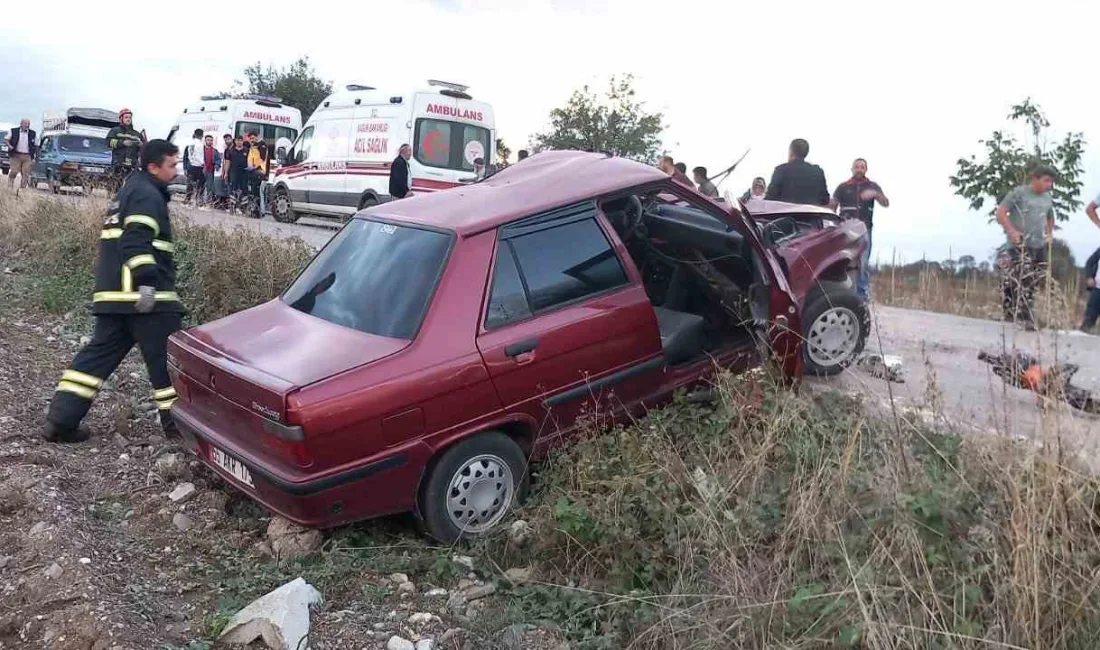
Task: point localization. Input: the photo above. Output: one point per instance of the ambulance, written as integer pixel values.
(278, 124)
(340, 163)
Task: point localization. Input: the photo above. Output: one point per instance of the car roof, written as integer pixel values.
(765, 208)
(544, 181)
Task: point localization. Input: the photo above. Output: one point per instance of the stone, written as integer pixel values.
(465, 583)
(425, 644)
(519, 575)
(290, 541)
(398, 643)
(280, 618)
(182, 493)
(436, 593)
(171, 467)
(464, 560)
(421, 618)
(453, 639)
(12, 499)
(475, 609)
(456, 603)
(55, 571)
(182, 522)
(406, 589)
(5, 560)
(519, 532)
(480, 591)
(398, 578)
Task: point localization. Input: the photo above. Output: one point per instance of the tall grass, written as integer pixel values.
(51, 246)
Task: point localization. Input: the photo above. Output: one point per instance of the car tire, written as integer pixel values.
(472, 486)
(282, 208)
(835, 327)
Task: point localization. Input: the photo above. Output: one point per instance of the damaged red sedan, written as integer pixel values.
(439, 344)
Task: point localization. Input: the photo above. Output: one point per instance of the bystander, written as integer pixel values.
(1027, 216)
(21, 145)
(757, 192)
(797, 181)
(856, 198)
(706, 188)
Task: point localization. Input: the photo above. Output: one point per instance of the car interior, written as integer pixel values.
(701, 275)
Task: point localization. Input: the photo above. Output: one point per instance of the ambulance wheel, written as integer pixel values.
(282, 208)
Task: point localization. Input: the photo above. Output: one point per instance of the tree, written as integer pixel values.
(966, 262)
(1063, 265)
(1008, 162)
(615, 123)
(297, 85)
(503, 152)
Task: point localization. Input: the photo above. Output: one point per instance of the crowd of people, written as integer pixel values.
(223, 177)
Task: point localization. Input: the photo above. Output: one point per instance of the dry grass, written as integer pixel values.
(50, 244)
(1059, 305)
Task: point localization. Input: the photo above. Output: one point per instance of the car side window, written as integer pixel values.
(301, 149)
(563, 263)
(507, 300)
(44, 147)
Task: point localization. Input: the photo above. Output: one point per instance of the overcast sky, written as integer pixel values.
(910, 87)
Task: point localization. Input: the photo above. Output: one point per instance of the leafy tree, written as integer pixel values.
(966, 262)
(503, 152)
(616, 123)
(1063, 265)
(1008, 162)
(298, 85)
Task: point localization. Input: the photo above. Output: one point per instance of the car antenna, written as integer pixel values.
(723, 175)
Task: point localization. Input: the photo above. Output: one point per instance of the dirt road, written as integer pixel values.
(945, 378)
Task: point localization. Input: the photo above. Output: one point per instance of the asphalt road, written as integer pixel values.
(312, 235)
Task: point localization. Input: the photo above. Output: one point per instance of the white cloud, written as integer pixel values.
(911, 88)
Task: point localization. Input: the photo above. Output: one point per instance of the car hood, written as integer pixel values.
(297, 348)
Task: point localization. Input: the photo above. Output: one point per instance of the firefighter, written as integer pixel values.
(125, 143)
(135, 298)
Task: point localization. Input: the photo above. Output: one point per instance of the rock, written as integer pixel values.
(474, 609)
(55, 571)
(421, 618)
(436, 593)
(5, 560)
(290, 541)
(171, 467)
(85, 560)
(519, 575)
(280, 618)
(464, 560)
(398, 643)
(519, 532)
(456, 603)
(182, 493)
(38, 529)
(406, 589)
(399, 578)
(453, 639)
(888, 367)
(11, 499)
(182, 522)
(481, 591)
(425, 644)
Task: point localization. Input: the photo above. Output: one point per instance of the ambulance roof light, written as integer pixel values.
(449, 85)
(355, 87)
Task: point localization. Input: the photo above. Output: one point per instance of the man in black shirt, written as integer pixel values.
(797, 181)
(856, 198)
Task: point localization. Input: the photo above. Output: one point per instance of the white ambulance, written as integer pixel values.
(341, 161)
(278, 124)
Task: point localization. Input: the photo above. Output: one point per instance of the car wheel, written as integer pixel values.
(836, 326)
(282, 208)
(472, 486)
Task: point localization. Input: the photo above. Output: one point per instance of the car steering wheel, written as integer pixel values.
(632, 214)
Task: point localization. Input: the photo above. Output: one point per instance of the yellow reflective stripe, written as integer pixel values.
(164, 393)
(77, 389)
(166, 246)
(143, 220)
(140, 260)
(132, 296)
(127, 280)
(81, 378)
(165, 404)
(110, 233)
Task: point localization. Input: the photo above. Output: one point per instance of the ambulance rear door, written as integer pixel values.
(449, 133)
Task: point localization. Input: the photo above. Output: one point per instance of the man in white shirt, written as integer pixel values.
(21, 144)
(196, 179)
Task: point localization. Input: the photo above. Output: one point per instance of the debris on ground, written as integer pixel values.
(1023, 370)
(883, 366)
(182, 492)
(290, 541)
(280, 618)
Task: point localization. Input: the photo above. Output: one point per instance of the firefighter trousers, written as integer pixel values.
(114, 336)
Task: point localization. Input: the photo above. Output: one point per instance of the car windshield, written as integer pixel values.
(373, 276)
(82, 144)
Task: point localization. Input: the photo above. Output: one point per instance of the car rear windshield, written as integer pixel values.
(82, 144)
(373, 276)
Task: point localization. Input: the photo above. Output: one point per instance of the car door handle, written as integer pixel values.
(514, 350)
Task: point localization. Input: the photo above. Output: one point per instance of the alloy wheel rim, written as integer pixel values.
(833, 337)
(480, 493)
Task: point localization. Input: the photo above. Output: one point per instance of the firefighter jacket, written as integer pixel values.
(136, 250)
(125, 144)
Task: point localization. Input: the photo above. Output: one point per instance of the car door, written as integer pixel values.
(331, 143)
(567, 328)
(299, 165)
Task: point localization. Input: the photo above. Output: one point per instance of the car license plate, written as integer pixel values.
(97, 170)
(235, 467)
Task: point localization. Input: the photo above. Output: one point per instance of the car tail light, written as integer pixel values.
(289, 439)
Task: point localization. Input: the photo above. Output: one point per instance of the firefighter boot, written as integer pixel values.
(54, 433)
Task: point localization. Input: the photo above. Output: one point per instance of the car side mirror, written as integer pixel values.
(280, 155)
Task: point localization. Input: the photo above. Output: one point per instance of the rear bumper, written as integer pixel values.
(379, 487)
